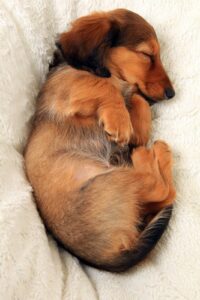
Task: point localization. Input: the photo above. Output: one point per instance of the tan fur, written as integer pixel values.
(90, 205)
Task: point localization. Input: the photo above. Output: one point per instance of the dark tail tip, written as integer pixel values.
(147, 241)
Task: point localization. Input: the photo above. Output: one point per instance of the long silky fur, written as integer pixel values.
(146, 243)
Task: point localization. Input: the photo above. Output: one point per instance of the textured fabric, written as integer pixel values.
(32, 266)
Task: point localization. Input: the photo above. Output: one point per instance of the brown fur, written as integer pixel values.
(89, 199)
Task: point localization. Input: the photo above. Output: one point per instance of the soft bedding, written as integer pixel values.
(32, 265)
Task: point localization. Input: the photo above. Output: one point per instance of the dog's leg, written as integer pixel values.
(104, 102)
(164, 156)
(140, 114)
(116, 120)
(158, 189)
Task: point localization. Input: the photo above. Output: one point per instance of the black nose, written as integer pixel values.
(169, 93)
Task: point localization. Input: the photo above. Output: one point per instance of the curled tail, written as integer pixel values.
(147, 241)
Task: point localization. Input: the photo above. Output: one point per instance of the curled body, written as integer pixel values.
(90, 195)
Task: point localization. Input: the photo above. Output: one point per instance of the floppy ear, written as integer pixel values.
(85, 46)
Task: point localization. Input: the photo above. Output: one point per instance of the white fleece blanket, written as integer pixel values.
(32, 266)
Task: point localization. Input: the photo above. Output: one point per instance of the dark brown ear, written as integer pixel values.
(85, 46)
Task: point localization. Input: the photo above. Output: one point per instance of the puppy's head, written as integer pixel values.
(121, 43)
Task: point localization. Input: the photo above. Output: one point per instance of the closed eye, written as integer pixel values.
(150, 56)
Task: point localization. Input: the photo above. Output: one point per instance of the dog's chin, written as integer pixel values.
(148, 98)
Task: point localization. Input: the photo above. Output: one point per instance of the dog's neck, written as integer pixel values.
(126, 89)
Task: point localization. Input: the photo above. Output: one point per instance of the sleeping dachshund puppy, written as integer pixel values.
(91, 192)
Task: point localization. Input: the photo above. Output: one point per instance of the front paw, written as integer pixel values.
(118, 126)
